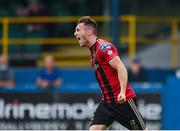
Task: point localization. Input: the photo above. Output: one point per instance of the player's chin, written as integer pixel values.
(81, 45)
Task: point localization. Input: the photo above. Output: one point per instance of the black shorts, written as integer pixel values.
(126, 114)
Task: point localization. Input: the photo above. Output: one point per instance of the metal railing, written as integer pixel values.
(131, 38)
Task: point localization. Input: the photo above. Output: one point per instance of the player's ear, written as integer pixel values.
(88, 32)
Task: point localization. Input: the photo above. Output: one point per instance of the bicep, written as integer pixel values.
(116, 63)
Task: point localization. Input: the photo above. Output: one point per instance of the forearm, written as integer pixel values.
(42, 83)
(122, 76)
(117, 64)
(2, 84)
(39, 82)
(6, 83)
(57, 83)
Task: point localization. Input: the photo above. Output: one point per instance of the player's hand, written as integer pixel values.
(121, 98)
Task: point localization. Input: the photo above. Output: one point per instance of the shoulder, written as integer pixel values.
(104, 45)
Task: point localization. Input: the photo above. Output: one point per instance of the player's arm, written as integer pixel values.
(8, 83)
(110, 54)
(117, 64)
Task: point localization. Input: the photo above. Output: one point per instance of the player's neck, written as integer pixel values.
(92, 41)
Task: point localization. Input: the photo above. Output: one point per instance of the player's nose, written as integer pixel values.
(75, 33)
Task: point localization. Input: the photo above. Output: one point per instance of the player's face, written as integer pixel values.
(81, 34)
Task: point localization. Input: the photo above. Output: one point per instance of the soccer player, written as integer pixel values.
(118, 98)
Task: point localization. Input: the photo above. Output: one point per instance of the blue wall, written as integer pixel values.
(171, 104)
(74, 79)
(83, 80)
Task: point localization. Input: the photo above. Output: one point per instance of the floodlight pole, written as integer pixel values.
(115, 23)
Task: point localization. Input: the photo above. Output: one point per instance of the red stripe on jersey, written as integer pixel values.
(105, 94)
(106, 86)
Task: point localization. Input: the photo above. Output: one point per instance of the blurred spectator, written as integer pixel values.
(136, 72)
(21, 9)
(49, 76)
(178, 73)
(36, 9)
(6, 75)
(32, 8)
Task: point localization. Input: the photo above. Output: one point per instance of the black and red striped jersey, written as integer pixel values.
(101, 53)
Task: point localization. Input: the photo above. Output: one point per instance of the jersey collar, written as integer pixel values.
(94, 45)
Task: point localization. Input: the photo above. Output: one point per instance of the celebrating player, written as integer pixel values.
(118, 98)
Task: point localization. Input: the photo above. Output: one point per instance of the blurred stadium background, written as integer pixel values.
(145, 29)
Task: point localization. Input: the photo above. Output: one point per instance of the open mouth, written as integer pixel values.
(78, 38)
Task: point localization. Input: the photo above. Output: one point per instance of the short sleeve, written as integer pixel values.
(108, 51)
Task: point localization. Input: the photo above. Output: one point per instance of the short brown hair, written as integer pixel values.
(87, 20)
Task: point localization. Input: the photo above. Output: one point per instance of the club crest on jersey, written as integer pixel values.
(109, 52)
(105, 46)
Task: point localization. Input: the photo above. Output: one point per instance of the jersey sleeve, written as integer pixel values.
(108, 51)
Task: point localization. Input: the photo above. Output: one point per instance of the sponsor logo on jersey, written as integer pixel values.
(105, 46)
